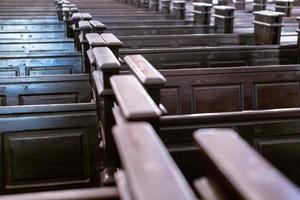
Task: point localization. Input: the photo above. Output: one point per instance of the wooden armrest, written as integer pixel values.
(134, 101)
(179, 3)
(111, 40)
(224, 8)
(247, 173)
(122, 185)
(86, 16)
(207, 190)
(150, 170)
(74, 10)
(76, 17)
(65, 5)
(144, 71)
(198, 4)
(84, 26)
(98, 26)
(105, 59)
(64, 2)
(107, 193)
(66, 9)
(95, 40)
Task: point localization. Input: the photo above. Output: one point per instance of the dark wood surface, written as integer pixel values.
(150, 170)
(253, 178)
(222, 56)
(79, 130)
(49, 147)
(39, 63)
(44, 90)
(78, 194)
(230, 89)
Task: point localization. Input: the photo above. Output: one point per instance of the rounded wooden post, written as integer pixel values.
(203, 1)
(179, 9)
(259, 5)
(224, 16)
(202, 13)
(267, 27)
(240, 4)
(67, 21)
(298, 41)
(154, 5)
(284, 6)
(107, 66)
(166, 6)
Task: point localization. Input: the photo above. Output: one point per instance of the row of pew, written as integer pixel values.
(130, 100)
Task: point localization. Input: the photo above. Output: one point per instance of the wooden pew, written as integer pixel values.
(216, 56)
(176, 130)
(168, 58)
(48, 147)
(138, 142)
(186, 40)
(170, 91)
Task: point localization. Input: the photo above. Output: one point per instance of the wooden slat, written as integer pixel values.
(150, 170)
(109, 193)
(134, 101)
(144, 71)
(249, 175)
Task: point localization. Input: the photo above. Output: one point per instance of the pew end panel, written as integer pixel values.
(50, 147)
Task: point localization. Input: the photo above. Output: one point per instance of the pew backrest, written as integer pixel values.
(44, 90)
(33, 64)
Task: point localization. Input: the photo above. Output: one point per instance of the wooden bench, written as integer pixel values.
(186, 40)
(167, 58)
(227, 89)
(216, 85)
(279, 85)
(269, 131)
(137, 141)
